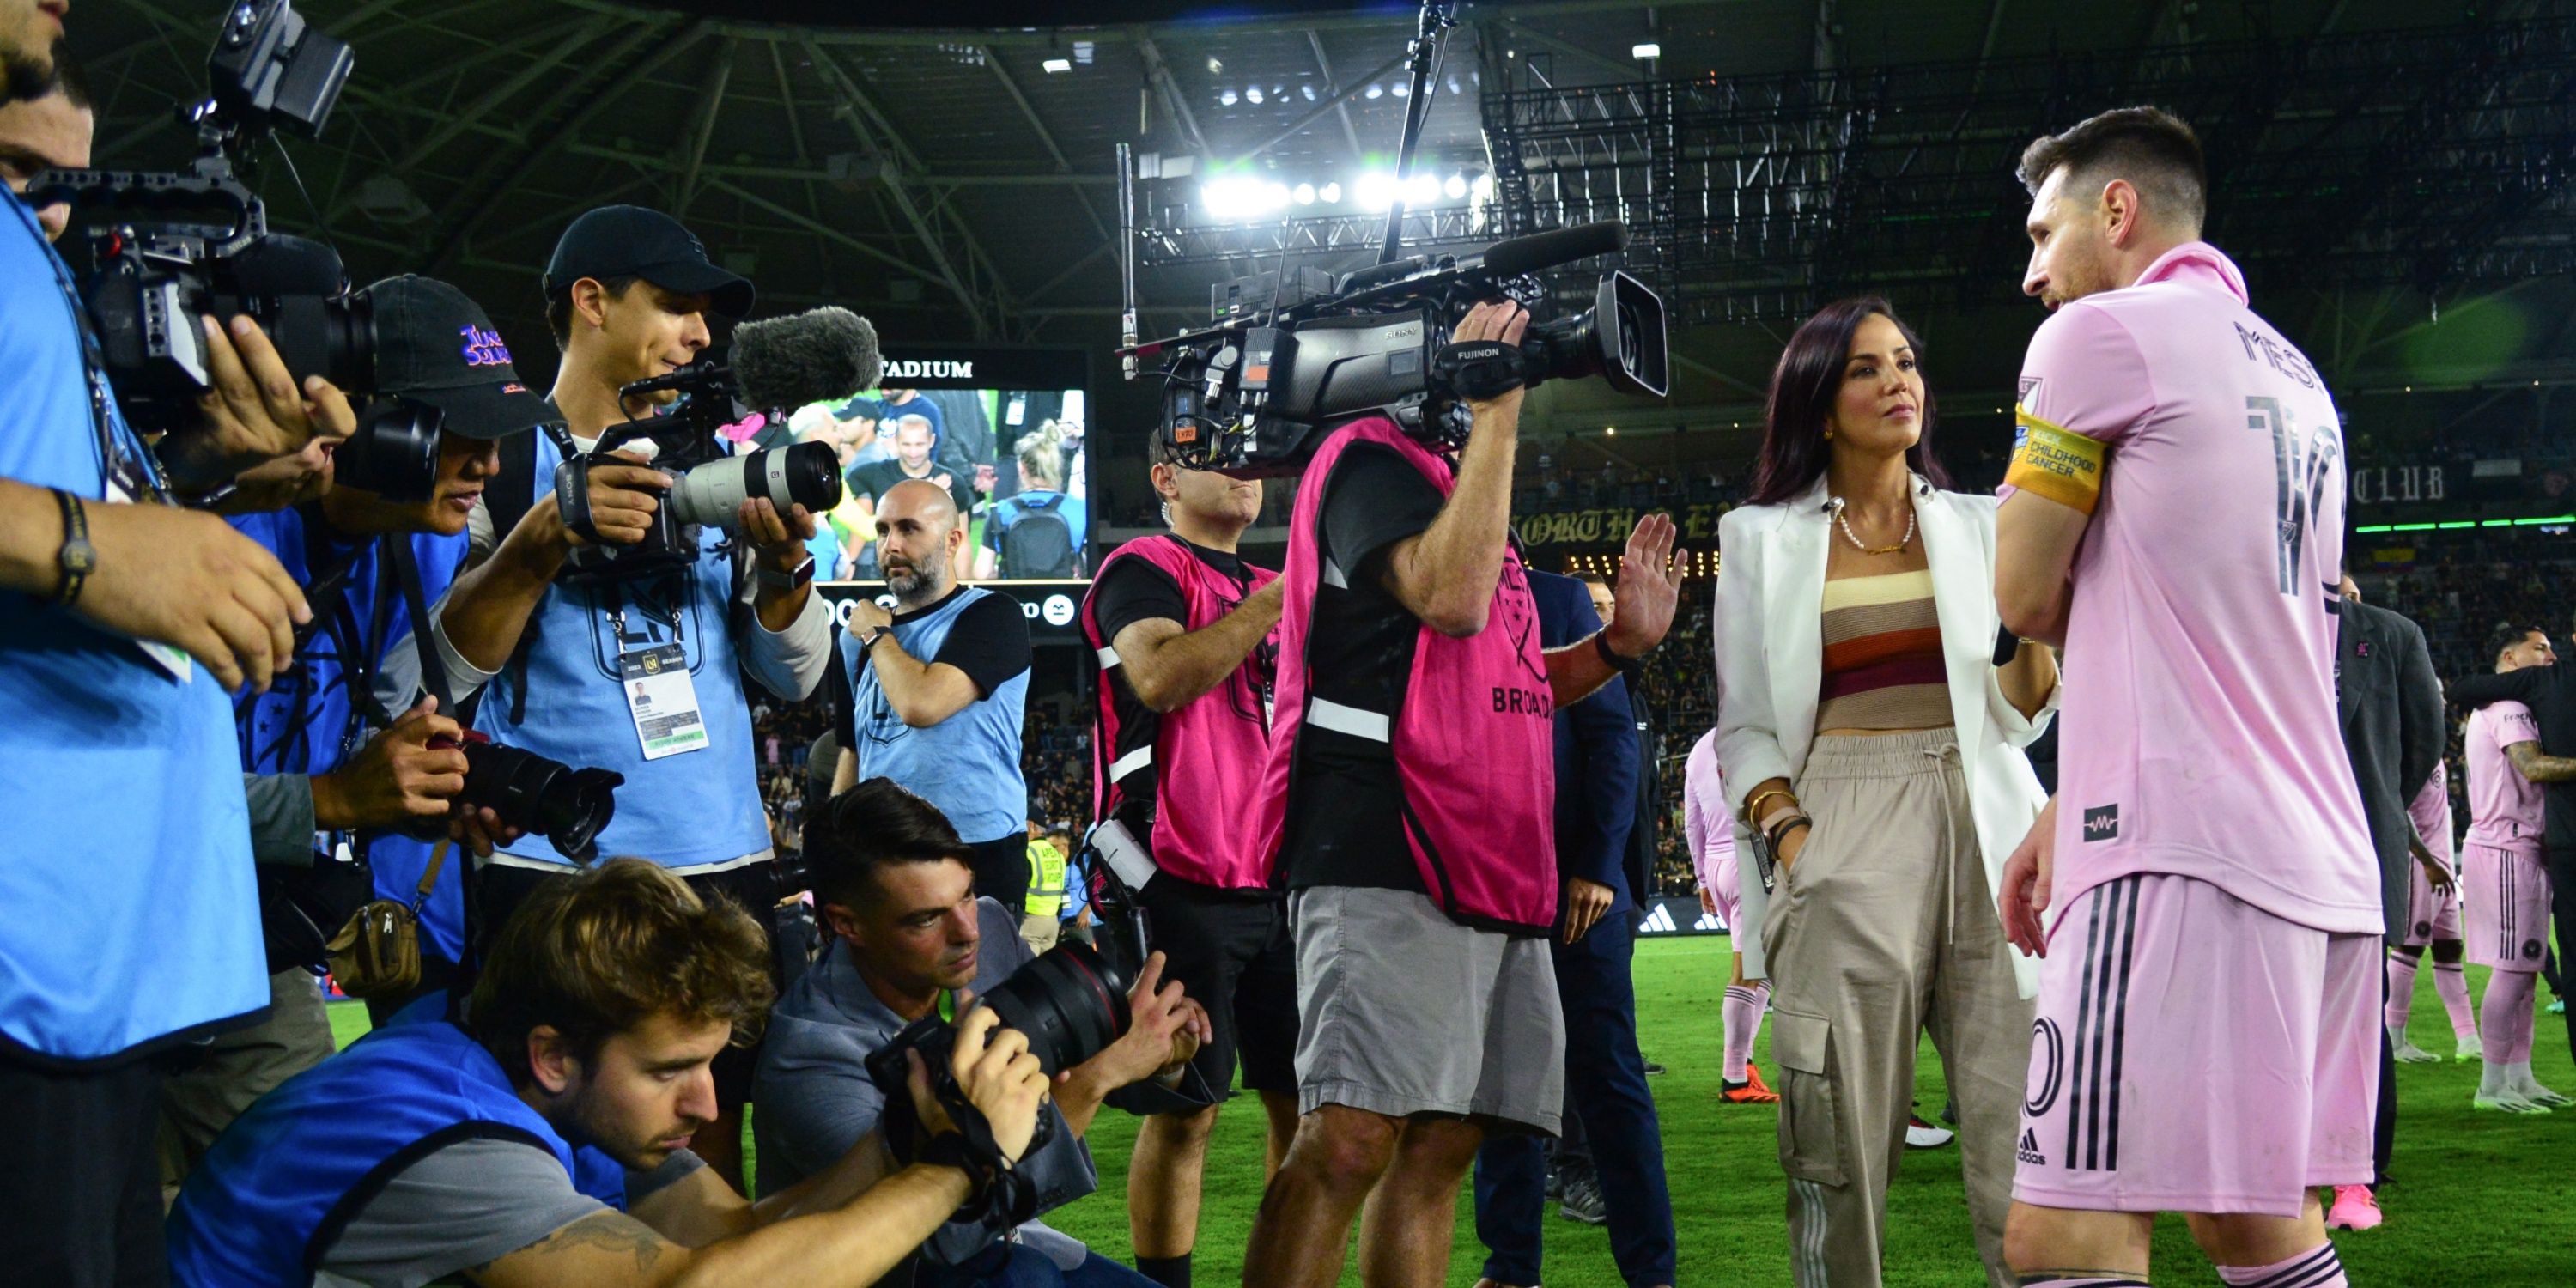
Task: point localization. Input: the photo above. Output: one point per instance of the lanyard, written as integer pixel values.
(122, 458)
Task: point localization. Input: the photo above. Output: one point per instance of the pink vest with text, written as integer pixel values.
(1474, 748)
(1208, 754)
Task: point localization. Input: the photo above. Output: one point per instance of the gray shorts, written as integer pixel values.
(1404, 1011)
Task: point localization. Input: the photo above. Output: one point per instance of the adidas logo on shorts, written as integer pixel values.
(2030, 1149)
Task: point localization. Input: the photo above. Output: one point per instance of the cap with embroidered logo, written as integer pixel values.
(435, 345)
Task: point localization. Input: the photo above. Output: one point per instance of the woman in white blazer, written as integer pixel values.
(1867, 737)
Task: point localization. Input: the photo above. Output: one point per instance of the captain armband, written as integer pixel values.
(2064, 466)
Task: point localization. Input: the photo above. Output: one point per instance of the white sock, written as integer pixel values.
(2494, 1081)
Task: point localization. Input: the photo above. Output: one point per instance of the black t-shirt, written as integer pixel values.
(989, 641)
(1135, 590)
(876, 478)
(1345, 806)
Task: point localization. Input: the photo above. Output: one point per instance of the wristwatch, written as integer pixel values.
(868, 642)
(78, 558)
(786, 580)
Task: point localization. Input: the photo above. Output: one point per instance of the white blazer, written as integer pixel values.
(1771, 660)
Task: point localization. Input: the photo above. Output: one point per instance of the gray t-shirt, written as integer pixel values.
(465, 1204)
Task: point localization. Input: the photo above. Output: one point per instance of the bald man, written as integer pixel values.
(940, 686)
(49, 133)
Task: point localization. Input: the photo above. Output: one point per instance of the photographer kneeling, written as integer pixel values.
(541, 1139)
(897, 888)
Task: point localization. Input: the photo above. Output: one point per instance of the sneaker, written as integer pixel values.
(2409, 1053)
(2507, 1102)
(2558, 1006)
(2468, 1048)
(1751, 1091)
(2542, 1096)
(1583, 1201)
(1923, 1135)
(1654, 1070)
(2355, 1208)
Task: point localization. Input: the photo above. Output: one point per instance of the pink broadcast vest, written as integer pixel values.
(1208, 755)
(1474, 748)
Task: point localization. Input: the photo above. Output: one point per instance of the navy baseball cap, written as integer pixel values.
(631, 241)
(435, 345)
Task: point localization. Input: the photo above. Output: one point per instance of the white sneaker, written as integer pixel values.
(2408, 1053)
(1923, 1135)
(2518, 1080)
(2506, 1101)
(2468, 1048)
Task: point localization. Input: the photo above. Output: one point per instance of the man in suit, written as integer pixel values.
(1597, 769)
(2391, 706)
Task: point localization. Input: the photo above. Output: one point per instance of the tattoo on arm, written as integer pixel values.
(601, 1235)
(2538, 767)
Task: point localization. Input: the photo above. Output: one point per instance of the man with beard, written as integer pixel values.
(940, 686)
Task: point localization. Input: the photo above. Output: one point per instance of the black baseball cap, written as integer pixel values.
(631, 241)
(435, 345)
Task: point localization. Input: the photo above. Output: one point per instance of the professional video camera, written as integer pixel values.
(775, 366)
(164, 249)
(1247, 397)
(1070, 1003)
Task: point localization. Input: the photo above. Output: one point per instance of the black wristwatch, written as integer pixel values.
(868, 642)
(1623, 665)
(78, 558)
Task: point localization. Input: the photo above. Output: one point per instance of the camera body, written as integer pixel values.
(567, 806)
(165, 248)
(1254, 395)
(711, 486)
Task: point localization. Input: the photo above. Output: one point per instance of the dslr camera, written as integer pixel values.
(772, 366)
(1070, 1003)
(163, 249)
(1252, 395)
(567, 806)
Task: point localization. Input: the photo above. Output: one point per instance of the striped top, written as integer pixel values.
(1883, 662)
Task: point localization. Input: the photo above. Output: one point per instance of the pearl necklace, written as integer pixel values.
(1842, 512)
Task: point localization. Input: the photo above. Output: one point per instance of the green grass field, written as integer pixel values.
(2477, 1199)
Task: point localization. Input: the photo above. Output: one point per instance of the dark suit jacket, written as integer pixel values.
(2391, 703)
(1596, 749)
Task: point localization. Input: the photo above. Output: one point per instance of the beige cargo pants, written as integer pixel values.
(1885, 928)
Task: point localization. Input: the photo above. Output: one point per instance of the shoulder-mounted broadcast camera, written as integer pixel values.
(1247, 397)
(165, 248)
(773, 366)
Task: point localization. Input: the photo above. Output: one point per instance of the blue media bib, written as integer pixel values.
(969, 764)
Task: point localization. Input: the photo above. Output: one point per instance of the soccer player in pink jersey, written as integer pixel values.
(2207, 902)
(2432, 919)
(2508, 894)
(1710, 829)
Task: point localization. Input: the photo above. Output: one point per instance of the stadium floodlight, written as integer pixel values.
(1252, 94)
(1056, 66)
(1456, 187)
(1645, 51)
(1304, 194)
(1331, 194)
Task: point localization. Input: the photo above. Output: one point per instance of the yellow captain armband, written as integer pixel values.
(2064, 466)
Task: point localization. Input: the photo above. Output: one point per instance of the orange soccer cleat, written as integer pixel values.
(1751, 1091)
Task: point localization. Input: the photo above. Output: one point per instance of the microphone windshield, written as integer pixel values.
(1555, 246)
(820, 354)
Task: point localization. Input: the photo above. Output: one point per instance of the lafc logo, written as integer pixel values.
(652, 664)
(2029, 1152)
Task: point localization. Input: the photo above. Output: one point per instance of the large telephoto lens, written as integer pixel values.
(566, 806)
(1620, 339)
(807, 474)
(297, 292)
(1070, 1004)
(394, 452)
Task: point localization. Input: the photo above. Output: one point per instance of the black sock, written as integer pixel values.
(1171, 1272)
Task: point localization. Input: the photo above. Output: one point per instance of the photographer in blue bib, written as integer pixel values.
(347, 761)
(640, 675)
(125, 621)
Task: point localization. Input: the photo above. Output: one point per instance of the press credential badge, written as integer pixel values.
(662, 700)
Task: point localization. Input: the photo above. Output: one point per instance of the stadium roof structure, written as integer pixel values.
(959, 184)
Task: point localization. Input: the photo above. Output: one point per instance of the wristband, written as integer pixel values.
(1623, 665)
(1782, 833)
(1772, 819)
(78, 558)
(1754, 805)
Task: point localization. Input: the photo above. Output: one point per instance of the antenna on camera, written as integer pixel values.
(1127, 261)
(1425, 62)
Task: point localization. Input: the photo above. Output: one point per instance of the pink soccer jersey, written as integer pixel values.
(2201, 736)
(2430, 812)
(2504, 806)
(1706, 824)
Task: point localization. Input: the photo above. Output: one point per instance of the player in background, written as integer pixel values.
(2432, 917)
(1710, 829)
(2176, 495)
(2508, 884)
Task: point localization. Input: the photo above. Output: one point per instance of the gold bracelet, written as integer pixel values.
(1753, 807)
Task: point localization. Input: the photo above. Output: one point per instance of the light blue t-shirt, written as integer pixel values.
(133, 913)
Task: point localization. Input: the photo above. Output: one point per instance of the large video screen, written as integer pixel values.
(1002, 430)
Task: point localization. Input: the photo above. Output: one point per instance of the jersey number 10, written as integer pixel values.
(2301, 466)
